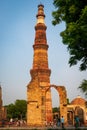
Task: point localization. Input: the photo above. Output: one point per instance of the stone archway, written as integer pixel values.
(63, 100)
(80, 113)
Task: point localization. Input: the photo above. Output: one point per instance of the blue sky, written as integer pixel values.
(17, 21)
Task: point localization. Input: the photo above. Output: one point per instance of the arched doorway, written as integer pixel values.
(70, 116)
(55, 97)
(62, 100)
(80, 113)
(55, 105)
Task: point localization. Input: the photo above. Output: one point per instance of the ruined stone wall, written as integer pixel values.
(34, 103)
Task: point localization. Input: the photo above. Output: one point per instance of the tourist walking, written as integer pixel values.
(76, 121)
(58, 121)
(62, 121)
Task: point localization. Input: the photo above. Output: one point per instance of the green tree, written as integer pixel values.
(68, 101)
(21, 107)
(74, 14)
(83, 87)
(17, 110)
(55, 109)
(10, 111)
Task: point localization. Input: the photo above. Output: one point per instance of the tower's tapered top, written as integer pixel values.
(40, 15)
(40, 60)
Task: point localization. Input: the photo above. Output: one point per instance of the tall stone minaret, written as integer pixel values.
(0, 97)
(39, 104)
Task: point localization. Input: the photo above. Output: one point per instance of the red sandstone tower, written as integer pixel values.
(39, 104)
(3, 112)
(0, 97)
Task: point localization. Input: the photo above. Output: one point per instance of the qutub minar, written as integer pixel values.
(39, 102)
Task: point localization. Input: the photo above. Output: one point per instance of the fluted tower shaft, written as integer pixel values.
(38, 91)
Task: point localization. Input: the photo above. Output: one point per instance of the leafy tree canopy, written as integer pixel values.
(17, 110)
(83, 87)
(74, 14)
(55, 109)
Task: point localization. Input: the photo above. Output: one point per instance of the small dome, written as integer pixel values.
(78, 101)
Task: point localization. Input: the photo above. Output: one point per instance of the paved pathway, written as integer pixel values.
(42, 128)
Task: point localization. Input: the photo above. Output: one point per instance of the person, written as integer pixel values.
(11, 122)
(62, 121)
(58, 121)
(76, 121)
